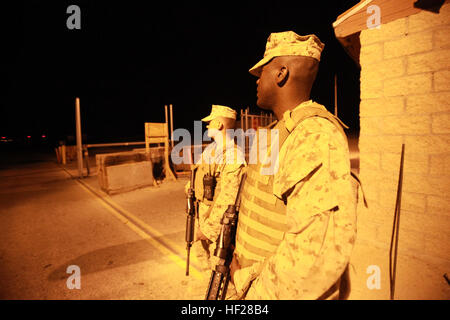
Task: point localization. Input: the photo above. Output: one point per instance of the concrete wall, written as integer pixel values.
(124, 171)
(405, 98)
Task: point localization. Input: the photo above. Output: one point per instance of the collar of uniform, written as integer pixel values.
(288, 121)
(218, 151)
(229, 144)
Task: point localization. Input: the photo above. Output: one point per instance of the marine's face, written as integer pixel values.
(265, 87)
(214, 127)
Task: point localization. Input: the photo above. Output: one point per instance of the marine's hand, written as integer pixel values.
(199, 235)
(234, 266)
(186, 187)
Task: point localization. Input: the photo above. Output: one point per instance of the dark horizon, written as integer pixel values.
(129, 60)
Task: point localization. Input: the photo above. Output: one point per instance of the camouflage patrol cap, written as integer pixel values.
(289, 43)
(220, 111)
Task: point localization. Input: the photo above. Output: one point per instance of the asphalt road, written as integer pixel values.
(127, 246)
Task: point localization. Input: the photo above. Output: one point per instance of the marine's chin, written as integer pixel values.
(260, 103)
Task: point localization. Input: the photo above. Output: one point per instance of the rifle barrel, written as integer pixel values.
(187, 260)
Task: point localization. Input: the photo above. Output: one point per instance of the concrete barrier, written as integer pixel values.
(124, 171)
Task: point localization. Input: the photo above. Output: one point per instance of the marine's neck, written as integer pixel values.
(288, 104)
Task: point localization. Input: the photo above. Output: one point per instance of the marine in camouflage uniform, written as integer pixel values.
(225, 161)
(297, 226)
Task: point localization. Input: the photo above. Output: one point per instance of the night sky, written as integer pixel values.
(131, 58)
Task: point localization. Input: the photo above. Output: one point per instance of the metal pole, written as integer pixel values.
(79, 142)
(242, 120)
(246, 119)
(393, 252)
(147, 143)
(171, 126)
(168, 170)
(63, 151)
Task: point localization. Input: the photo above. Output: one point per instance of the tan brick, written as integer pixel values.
(430, 61)
(428, 103)
(407, 124)
(378, 215)
(370, 161)
(442, 80)
(427, 144)
(384, 230)
(390, 30)
(409, 241)
(390, 161)
(409, 44)
(381, 107)
(439, 204)
(413, 162)
(416, 163)
(418, 278)
(438, 244)
(415, 202)
(384, 69)
(425, 184)
(371, 54)
(441, 38)
(387, 180)
(415, 84)
(440, 164)
(388, 197)
(370, 144)
(370, 125)
(427, 224)
(441, 123)
(371, 88)
(425, 20)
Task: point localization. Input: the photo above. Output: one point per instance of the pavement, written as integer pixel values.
(126, 246)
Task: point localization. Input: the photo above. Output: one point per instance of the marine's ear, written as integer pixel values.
(215, 124)
(282, 75)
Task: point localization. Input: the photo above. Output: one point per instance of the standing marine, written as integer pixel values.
(297, 222)
(216, 181)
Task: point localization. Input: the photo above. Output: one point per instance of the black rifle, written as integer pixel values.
(220, 277)
(190, 219)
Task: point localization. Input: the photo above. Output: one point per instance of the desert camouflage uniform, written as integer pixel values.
(228, 168)
(314, 181)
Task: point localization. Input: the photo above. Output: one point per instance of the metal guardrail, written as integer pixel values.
(114, 144)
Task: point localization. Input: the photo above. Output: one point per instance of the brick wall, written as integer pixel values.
(405, 98)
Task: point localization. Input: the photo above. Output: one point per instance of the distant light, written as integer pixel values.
(28, 137)
(44, 136)
(3, 137)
